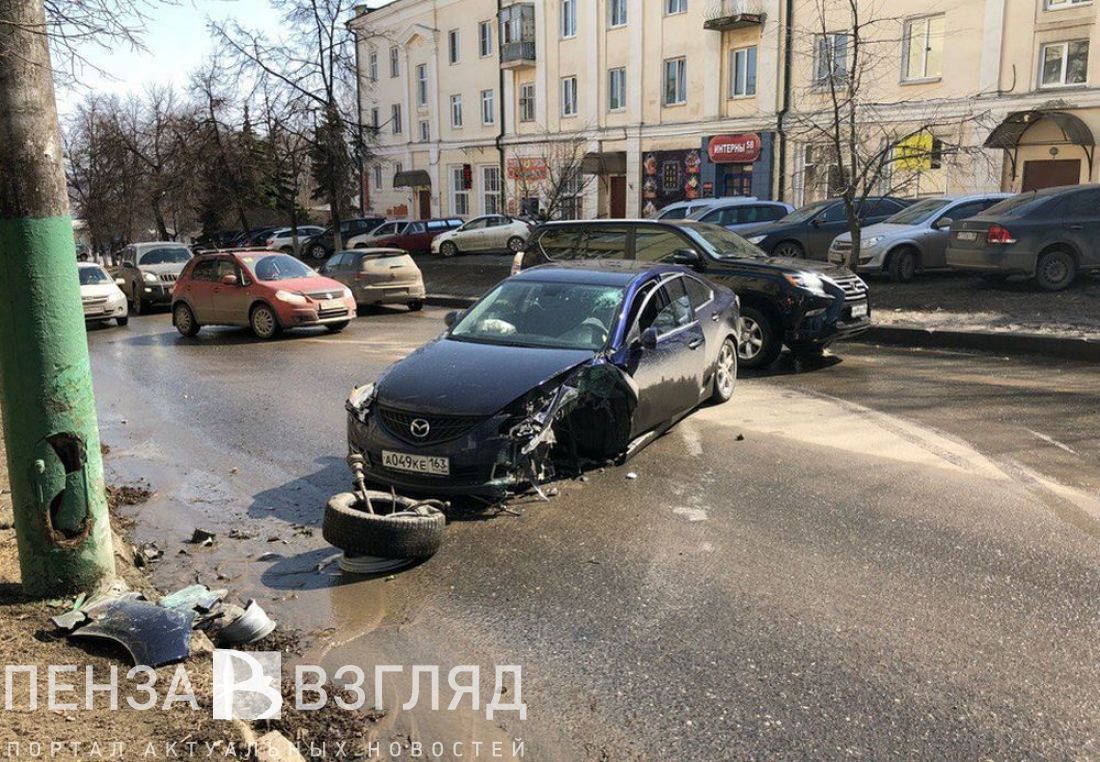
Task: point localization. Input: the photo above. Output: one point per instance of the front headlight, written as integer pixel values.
(290, 297)
(347, 293)
(755, 238)
(873, 241)
(811, 282)
(149, 277)
(360, 400)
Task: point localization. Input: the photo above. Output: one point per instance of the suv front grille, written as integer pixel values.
(441, 428)
(853, 287)
(168, 277)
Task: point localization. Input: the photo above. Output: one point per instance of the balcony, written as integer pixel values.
(517, 36)
(722, 15)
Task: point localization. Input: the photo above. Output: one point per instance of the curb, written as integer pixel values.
(1063, 348)
(447, 300)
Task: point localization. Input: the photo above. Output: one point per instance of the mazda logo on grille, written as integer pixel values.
(419, 428)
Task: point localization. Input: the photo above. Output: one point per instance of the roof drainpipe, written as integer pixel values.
(787, 33)
(503, 106)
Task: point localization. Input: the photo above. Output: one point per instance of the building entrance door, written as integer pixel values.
(618, 197)
(738, 180)
(1051, 172)
(424, 199)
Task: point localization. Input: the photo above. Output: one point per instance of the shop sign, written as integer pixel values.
(734, 149)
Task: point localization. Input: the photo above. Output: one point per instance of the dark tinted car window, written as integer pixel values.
(562, 243)
(606, 241)
(698, 292)
(769, 213)
(652, 309)
(652, 244)
(1025, 203)
(1085, 203)
(225, 267)
(679, 312)
(675, 214)
(204, 270)
(967, 210)
(834, 213)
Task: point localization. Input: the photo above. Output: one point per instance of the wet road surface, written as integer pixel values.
(899, 560)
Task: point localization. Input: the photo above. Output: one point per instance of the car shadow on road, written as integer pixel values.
(221, 336)
(792, 365)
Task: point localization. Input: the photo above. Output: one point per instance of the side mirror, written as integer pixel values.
(943, 223)
(686, 257)
(120, 281)
(229, 280)
(452, 317)
(649, 338)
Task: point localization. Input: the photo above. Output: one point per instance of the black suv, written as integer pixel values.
(805, 305)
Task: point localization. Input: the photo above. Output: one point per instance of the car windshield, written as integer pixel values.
(279, 267)
(919, 212)
(89, 276)
(724, 243)
(805, 213)
(166, 256)
(542, 314)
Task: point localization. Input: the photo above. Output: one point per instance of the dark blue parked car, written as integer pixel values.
(558, 367)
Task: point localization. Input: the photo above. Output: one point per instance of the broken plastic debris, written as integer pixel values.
(253, 624)
(202, 537)
(152, 635)
(632, 475)
(70, 620)
(193, 597)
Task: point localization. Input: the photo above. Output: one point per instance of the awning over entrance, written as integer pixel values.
(413, 178)
(606, 163)
(1009, 134)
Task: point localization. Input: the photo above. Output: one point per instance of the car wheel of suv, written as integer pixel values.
(448, 249)
(416, 306)
(264, 322)
(1055, 270)
(725, 371)
(902, 265)
(516, 244)
(759, 343)
(317, 251)
(184, 319)
(789, 249)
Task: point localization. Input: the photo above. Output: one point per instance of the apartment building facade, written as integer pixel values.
(620, 107)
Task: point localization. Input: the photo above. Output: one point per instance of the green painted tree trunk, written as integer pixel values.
(50, 427)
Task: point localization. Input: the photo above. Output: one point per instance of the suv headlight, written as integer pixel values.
(811, 282)
(290, 297)
(149, 277)
(360, 401)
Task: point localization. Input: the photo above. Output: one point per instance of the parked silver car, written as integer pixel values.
(149, 270)
(740, 213)
(914, 239)
(491, 232)
(283, 238)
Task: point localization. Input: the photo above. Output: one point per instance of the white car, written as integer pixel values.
(679, 210)
(492, 232)
(384, 230)
(101, 296)
(283, 238)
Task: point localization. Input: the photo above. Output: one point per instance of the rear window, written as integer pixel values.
(1018, 205)
(674, 214)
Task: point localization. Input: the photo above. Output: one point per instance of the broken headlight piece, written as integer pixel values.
(360, 401)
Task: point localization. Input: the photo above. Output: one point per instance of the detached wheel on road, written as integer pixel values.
(337, 327)
(902, 265)
(516, 244)
(725, 371)
(403, 528)
(1056, 270)
(264, 322)
(448, 249)
(185, 321)
(789, 249)
(759, 343)
(416, 306)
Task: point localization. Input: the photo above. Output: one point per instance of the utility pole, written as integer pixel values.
(50, 427)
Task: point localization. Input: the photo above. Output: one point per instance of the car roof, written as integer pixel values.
(596, 272)
(375, 250)
(151, 244)
(88, 265)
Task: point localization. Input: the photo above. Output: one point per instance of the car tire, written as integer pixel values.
(318, 252)
(448, 249)
(139, 303)
(789, 249)
(287, 250)
(414, 530)
(264, 322)
(760, 342)
(123, 321)
(902, 265)
(337, 327)
(416, 306)
(725, 371)
(184, 320)
(516, 244)
(1055, 270)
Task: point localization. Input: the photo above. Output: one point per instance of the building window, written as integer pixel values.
(1053, 5)
(425, 131)
(676, 6)
(569, 96)
(460, 195)
(398, 168)
(452, 46)
(422, 85)
(923, 48)
(395, 118)
(830, 57)
(675, 81)
(485, 39)
(616, 89)
(372, 66)
(395, 62)
(568, 18)
(490, 189)
(743, 72)
(1063, 64)
(572, 197)
(527, 103)
(374, 125)
(377, 172)
(488, 115)
(616, 13)
(456, 111)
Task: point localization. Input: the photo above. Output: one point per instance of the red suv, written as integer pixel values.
(417, 236)
(266, 291)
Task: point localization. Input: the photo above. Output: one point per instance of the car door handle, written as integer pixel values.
(695, 343)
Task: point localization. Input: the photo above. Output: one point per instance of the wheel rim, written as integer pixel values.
(1055, 269)
(908, 266)
(448, 249)
(788, 250)
(726, 371)
(515, 245)
(752, 339)
(263, 322)
(183, 319)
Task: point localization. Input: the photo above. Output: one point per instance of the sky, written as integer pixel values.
(176, 42)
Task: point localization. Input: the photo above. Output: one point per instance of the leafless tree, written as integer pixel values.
(551, 169)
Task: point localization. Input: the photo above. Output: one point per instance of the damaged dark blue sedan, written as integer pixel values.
(557, 368)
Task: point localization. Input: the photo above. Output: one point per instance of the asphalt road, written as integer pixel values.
(900, 560)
